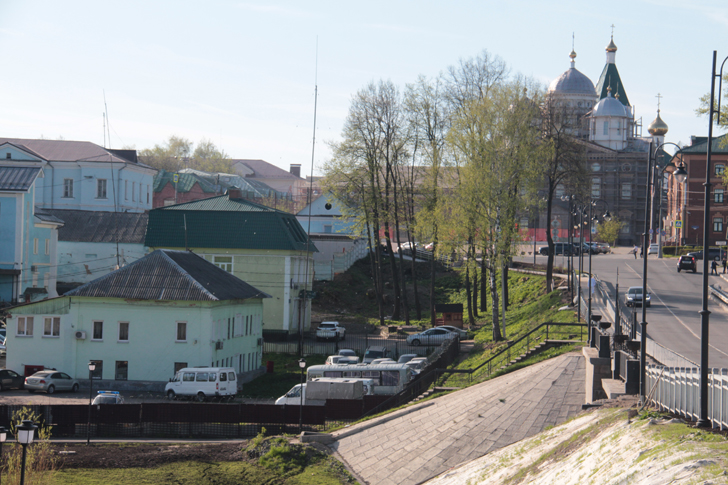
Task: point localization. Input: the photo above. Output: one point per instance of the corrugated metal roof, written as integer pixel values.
(17, 179)
(45, 216)
(266, 170)
(101, 226)
(66, 150)
(700, 145)
(220, 222)
(171, 276)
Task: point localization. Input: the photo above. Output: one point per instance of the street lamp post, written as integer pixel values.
(302, 365)
(91, 369)
(703, 420)
(25, 432)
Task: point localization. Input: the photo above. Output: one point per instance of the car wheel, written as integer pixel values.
(1, 387)
(31, 391)
(416, 342)
(200, 397)
(51, 389)
(678, 270)
(171, 395)
(74, 388)
(695, 270)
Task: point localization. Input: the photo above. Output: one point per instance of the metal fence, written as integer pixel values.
(677, 390)
(397, 345)
(189, 419)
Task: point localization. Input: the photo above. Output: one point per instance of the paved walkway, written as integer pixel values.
(413, 445)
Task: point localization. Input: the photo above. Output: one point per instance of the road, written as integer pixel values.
(673, 319)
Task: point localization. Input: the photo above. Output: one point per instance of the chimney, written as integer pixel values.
(296, 169)
(234, 193)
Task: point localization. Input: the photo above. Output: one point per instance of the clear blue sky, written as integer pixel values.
(242, 74)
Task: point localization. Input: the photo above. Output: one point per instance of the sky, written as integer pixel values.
(244, 74)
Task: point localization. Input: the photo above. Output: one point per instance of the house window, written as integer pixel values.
(181, 331)
(719, 169)
(35, 245)
(327, 229)
(126, 190)
(178, 366)
(606, 128)
(101, 188)
(624, 229)
(559, 191)
(224, 262)
(133, 191)
(68, 188)
(596, 187)
(98, 372)
(122, 370)
(718, 194)
(98, 331)
(48, 246)
(52, 327)
(147, 194)
(25, 327)
(123, 331)
(626, 191)
(717, 224)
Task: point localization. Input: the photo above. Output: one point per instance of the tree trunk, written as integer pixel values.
(550, 257)
(471, 319)
(483, 285)
(506, 297)
(504, 285)
(475, 290)
(494, 305)
(432, 283)
(395, 274)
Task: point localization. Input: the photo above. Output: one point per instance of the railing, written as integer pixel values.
(677, 390)
(545, 331)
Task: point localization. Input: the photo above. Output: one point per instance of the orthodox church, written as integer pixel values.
(617, 154)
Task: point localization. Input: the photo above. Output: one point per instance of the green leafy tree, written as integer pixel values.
(609, 230)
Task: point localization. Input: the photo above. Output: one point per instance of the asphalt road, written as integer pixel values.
(673, 319)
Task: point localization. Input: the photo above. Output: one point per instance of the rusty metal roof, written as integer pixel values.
(68, 150)
(17, 179)
(168, 275)
(101, 226)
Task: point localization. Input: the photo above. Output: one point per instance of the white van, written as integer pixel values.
(203, 383)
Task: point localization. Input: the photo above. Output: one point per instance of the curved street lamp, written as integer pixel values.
(25, 435)
(91, 369)
(302, 365)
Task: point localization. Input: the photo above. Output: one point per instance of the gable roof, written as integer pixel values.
(101, 226)
(17, 179)
(225, 222)
(700, 145)
(69, 151)
(263, 169)
(170, 276)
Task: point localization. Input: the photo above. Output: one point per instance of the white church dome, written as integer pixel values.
(609, 106)
(572, 82)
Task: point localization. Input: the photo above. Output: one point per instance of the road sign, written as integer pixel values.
(651, 231)
(175, 177)
(662, 233)
(678, 224)
(721, 243)
(594, 230)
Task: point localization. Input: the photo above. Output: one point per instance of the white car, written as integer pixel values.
(431, 336)
(463, 334)
(653, 249)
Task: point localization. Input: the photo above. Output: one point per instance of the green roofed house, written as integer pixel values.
(266, 247)
(143, 322)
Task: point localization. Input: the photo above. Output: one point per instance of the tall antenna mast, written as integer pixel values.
(106, 122)
(309, 198)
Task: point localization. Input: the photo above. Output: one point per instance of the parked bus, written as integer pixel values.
(388, 378)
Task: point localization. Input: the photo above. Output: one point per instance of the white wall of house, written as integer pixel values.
(152, 347)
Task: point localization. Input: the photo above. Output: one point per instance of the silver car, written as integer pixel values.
(463, 334)
(51, 381)
(432, 336)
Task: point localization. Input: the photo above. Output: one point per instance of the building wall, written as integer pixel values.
(81, 262)
(152, 348)
(167, 195)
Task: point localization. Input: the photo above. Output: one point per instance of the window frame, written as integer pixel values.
(101, 189)
(94, 326)
(27, 326)
(718, 196)
(55, 327)
(67, 188)
(719, 169)
(717, 224)
(125, 367)
(626, 191)
(181, 325)
(97, 373)
(224, 265)
(119, 333)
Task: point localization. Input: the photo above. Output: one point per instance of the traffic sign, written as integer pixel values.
(720, 243)
(678, 224)
(594, 230)
(662, 233)
(651, 231)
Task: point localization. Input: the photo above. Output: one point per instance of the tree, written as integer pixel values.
(609, 230)
(563, 164)
(702, 109)
(177, 153)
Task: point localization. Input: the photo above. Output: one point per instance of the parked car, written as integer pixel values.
(341, 359)
(404, 358)
(347, 353)
(202, 383)
(653, 249)
(417, 364)
(375, 352)
(108, 397)
(406, 248)
(431, 336)
(559, 248)
(463, 334)
(9, 379)
(3, 349)
(51, 381)
(634, 297)
(713, 253)
(686, 262)
(604, 248)
(330, 330)
(385, 360)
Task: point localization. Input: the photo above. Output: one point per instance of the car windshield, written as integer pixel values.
(105, 400)
(636, 291)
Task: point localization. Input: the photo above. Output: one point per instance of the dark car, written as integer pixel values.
(9, 379)
(559, 248)
(713, 254)
(686, 262)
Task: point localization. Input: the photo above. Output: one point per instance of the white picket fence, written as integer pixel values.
(677, 390)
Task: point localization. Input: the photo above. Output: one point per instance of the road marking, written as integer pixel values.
(678, 318)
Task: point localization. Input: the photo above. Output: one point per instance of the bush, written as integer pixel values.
(40, 462)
